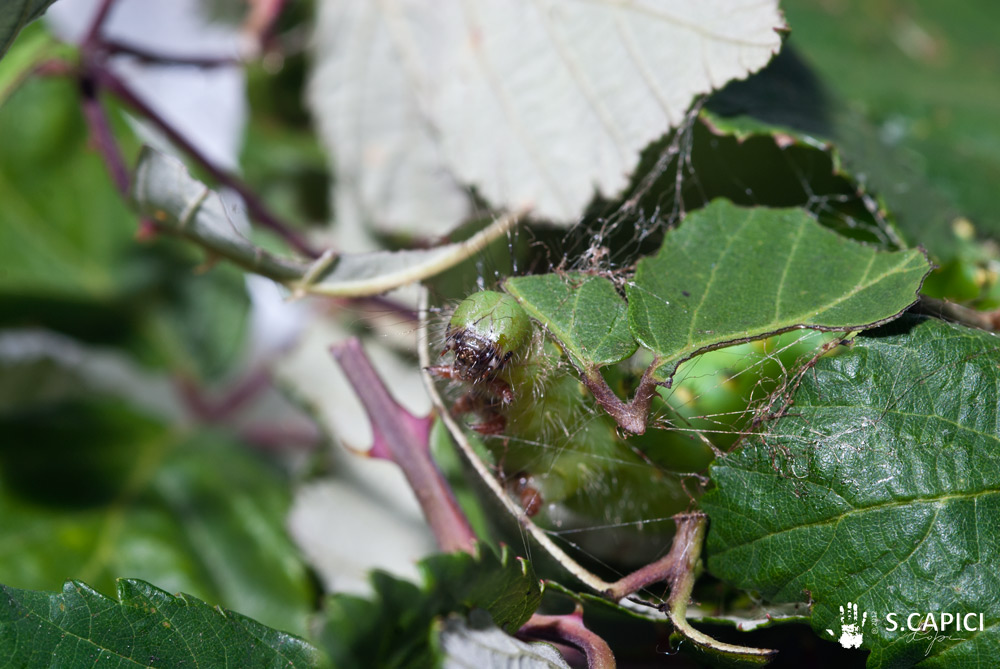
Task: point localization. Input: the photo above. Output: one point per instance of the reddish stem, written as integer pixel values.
(255, 206)
(103, 138)
(406, 439)
(569, 629)
(687, 539)
(210, 410)
(93, 36)
(114, 47)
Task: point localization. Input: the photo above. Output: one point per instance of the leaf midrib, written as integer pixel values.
(913, 501)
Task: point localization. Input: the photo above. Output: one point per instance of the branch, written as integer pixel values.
(569, 629)
(405, 438)
(93, 36)
(949, 311)
(118, 47)
(104, 139)
(255, 206)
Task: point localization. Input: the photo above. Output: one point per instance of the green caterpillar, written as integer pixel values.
(560, 457)
(563, 458)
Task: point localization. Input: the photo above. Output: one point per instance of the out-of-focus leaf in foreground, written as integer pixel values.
(731, 274)
(881, 487)
(100, 480)
(69, 260)
(146, 627)
(531, 105)
(395, 629)
(15, 15)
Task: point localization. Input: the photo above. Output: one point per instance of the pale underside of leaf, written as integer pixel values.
(532, 103)
(731, 274)
(467, 646)
(881, 488)
(182, 205)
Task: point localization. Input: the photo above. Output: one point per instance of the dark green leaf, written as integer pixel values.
(146, 627)
(584, 312)
(14, 15)
(881, 488)
(95, 488)
(395, 628)
(69, 258)
(730, 274)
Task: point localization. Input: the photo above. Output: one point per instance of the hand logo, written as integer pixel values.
(851, 630)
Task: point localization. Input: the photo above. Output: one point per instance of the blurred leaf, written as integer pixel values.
(34, 47)
(730, 274)
(934, 94)
(93, 488)
(880, 488)
(468, 645)
(15, 15)
(585, 313)
(529, 107)
(395, 629)
(66, 234)
(68, 259)
(145, 627)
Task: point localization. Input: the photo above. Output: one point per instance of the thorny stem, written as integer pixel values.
(570, 629)
(406, 440)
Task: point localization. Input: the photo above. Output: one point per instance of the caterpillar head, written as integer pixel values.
(486, 331)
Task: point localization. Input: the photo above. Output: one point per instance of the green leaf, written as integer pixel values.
(786, 103)
(584, 312)
(15, 15)
(395, 629)
(880, 488)
(96, 486)
(933, 96)
(730, 274)
(70, 260)
(146, 627)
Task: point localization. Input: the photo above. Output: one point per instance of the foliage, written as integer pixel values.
(145, 627)
(884, 481)
(658, 215)
(396, 627)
